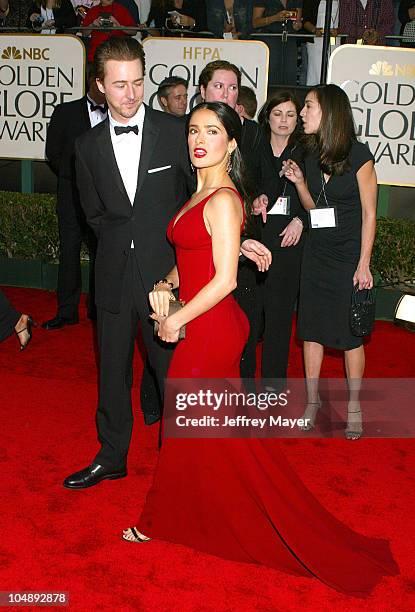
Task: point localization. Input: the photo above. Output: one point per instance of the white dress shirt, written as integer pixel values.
(127, 151)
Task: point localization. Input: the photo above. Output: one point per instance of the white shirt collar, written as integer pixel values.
(137, 119)
(91, 101)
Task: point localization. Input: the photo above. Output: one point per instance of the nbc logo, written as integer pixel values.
(11, 53)
(381, 68)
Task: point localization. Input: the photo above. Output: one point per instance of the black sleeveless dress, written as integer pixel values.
(331, 256)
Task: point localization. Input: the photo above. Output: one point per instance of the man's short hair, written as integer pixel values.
(247, 99)
(120, 49)
(168, 83)
(207, 73)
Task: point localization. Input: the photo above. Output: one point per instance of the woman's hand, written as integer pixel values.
(258, 253)
(292, 233)
(293, 172)
(49, 23)
(115, 21)
(297, 25)
(168, 331)
(282, 15)
(259, 206)
(160, 298)
(363, 277)
(34, 16)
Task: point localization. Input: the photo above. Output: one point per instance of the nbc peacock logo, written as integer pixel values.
(381, 68)
(11, 53)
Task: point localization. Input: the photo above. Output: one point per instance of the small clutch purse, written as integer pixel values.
(362, 311)
(174, 306)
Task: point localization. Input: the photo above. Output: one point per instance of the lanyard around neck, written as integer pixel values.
(322, 190)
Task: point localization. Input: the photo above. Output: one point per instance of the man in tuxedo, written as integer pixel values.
(69, 120)
(133, 174)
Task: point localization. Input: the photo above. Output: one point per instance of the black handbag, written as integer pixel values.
(362, 311)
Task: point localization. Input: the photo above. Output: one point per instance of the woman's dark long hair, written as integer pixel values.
(230, 120)
(279, 98)
(336, 133)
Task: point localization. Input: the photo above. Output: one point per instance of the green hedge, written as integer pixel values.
(394, 250)
(29, 230)
(29, 227)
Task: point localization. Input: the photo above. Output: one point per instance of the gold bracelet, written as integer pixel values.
(299, 221)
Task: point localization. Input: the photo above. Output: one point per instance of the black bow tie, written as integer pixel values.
(124, 130)
(93, 107)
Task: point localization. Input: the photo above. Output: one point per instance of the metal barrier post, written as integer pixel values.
(27, 176)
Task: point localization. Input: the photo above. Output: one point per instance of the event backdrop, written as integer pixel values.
(186, 57)
(380, 84)
(36, 74)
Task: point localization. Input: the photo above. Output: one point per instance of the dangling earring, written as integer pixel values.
(192, 167)
(229, 164)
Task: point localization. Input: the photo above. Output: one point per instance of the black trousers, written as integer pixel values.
(73, 230)
(247, 296)
(280, 291)
(116, 338)
(8, 317)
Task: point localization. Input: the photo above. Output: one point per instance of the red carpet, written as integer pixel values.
(53, 539)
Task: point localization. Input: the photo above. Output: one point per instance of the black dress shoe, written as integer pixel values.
(58, 322)
(92, 475)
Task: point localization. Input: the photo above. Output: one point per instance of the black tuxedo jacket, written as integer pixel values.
(164, 183)
(259, 162)
(69, 120)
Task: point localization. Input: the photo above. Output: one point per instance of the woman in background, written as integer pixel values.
(282, 233)
(276, 17)
(340, 187)
(314, 14)
(192, 14)
(51, 16)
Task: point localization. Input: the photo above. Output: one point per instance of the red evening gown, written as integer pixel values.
(239, 498)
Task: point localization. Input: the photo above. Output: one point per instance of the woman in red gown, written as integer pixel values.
(235, 498)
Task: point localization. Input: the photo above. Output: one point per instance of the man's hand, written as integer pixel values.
(168, 331)
(257, 252)
(259, 206)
